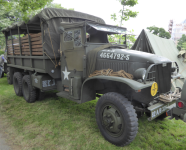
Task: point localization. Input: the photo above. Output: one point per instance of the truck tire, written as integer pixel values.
(9, 75)
(116, 119)
(29, 92)
(17, 82)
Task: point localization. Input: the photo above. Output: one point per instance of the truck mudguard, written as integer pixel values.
(88, 94)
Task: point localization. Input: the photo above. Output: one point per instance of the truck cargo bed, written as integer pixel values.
(22, 46)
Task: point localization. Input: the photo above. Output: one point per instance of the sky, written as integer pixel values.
(151, 12)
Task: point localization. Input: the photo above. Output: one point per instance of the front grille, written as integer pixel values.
(161, 75)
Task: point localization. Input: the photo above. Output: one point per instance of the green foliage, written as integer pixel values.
(126, 15)
(118, 38)
(54, 5)
(21, 10)
(113, 17)
(1, 52)
(181, 42)
(129, 3)
(159, 32)
(25, 7)
(184, 46)
(30, 7)
(7, 17)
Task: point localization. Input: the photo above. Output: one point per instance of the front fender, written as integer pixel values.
(88, 94)
(132, 83)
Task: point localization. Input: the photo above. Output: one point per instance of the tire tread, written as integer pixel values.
(32, 91)
(132, 120)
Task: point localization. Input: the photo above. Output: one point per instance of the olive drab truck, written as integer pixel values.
(69, 51)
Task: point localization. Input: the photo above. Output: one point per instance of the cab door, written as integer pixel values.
(72, 50)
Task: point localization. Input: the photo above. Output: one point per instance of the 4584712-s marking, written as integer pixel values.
(114, 56)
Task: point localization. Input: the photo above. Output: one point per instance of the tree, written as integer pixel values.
(181, 42)
(55, 5)
(115, 39)
(184, 46)
(19, 10)
(159, 32)
(7, 17)
(26, 7)
(126, 14)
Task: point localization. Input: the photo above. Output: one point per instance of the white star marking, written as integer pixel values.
(36, 80)
(66, 73)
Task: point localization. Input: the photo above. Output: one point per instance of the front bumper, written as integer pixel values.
(160, 108)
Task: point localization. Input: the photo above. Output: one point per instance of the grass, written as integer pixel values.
(2, 52)
(57, 123)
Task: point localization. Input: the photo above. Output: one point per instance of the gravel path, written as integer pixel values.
(3, 144)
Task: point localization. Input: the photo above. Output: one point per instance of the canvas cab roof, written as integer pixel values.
(92, 26)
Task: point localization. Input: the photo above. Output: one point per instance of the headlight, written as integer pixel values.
(140, 73)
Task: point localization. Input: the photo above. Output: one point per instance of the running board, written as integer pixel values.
(67, 96)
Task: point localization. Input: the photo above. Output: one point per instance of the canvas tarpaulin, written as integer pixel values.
(49, 13)
(151, 43)
(50, 19)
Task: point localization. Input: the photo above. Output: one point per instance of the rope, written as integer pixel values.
(109, 72)
(170, 97)
(50, 59)
(53, 49)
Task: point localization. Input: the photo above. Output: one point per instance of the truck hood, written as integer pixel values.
(132, 56)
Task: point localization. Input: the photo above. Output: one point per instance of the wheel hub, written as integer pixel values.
(112, 120)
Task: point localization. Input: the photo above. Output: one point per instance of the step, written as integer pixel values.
(67, 96)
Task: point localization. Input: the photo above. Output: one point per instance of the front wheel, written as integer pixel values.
(116, 119)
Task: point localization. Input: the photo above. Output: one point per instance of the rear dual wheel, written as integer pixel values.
(116, 119)
(29, 92)
(9, 75)
(23, 86)
(17, 82)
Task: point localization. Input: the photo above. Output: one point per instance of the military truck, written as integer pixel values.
(65, 50)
